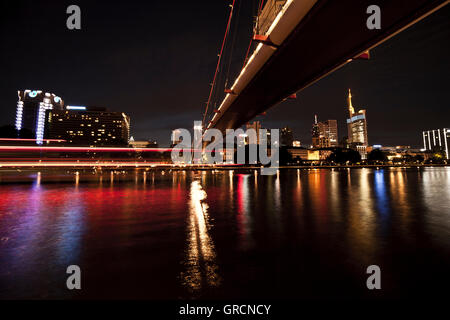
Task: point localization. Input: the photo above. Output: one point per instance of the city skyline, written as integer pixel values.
(225, 158)
(419, 103)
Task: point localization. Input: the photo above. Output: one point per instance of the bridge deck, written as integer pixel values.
(326, 38)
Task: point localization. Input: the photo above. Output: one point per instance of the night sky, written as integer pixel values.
(155, 60)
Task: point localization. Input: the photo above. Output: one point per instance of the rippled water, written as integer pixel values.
(228, 234)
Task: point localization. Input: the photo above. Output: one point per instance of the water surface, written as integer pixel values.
(227, 234)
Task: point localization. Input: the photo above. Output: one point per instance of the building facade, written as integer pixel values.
(436, 140)
(304, 154)
(324, 134)
(32, 107)
(330, 130)
(88, 126)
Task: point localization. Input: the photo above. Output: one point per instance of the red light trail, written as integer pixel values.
(87, 149)
(108, 164)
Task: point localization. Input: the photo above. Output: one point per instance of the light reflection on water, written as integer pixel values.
(244, 218)
(436, 194)
(200, 261)
(299, 233)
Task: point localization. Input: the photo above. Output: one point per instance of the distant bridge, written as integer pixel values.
(304, 41)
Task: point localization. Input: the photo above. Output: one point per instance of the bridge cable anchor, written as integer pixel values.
(265, 40)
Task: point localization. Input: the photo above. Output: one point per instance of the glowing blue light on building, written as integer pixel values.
(33, 94)
(76, 108)
(41, 122)
(19, 114)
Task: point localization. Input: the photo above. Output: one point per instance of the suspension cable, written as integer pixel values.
(235, 32)
(218, 62)
(253, 33)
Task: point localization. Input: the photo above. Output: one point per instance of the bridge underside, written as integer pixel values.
(332, 33)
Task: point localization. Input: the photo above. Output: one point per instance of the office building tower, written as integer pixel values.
(324, 134)
(330, 130)
(356, 124)
(436, 140)
(88, 126)
(32, 107)
(315, 133)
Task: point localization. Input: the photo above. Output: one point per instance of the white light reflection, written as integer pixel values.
(200, 260)
(362, 219)
(277, 194)
(435, 187)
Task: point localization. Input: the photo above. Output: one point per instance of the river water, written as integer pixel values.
(227, 234)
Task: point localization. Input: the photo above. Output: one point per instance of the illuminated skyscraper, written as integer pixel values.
(324, 134)
(315, 133)
(31, 111)
(329, 130)
(437, 140)
(357, 125)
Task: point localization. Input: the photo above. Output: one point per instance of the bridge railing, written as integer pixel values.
(268, 15)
